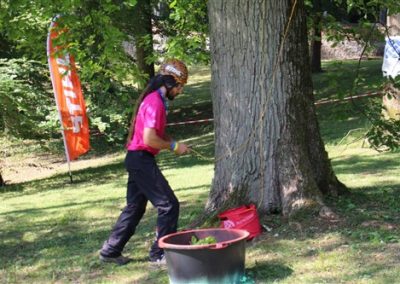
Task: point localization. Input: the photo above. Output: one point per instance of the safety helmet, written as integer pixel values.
(176, 69)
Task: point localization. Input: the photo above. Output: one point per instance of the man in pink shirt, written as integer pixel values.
(145, 181)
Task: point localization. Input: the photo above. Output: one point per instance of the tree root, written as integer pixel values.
(327, 213)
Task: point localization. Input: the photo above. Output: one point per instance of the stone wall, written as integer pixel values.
(349, 49)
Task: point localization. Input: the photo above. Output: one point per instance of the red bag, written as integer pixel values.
(244, 217)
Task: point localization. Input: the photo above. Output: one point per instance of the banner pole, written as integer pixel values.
(70, 173)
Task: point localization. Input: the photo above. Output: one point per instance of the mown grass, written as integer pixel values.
(51, 230)
(345, 78)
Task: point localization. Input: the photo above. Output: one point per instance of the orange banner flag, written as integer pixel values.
(69, 98)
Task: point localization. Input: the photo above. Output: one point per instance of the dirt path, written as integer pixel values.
(18, 170)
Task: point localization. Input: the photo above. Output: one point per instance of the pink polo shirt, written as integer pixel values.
(151, 114)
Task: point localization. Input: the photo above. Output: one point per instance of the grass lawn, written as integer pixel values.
(51, 230)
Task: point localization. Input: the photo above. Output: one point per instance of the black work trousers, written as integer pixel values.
(145, 182)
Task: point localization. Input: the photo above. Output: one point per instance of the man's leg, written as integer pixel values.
(128, 220)
(164, 199)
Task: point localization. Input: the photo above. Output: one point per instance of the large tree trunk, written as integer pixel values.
(267, 143)
(316, 47)
(2, 183)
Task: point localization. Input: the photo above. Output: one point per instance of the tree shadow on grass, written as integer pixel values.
(366, 217)
(358, 164)
(37, 211)
(269, 271)
(16, 187)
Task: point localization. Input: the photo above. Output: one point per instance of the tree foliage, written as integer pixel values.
(361, 21)
(189, 31)
(96, 31)
(26, 108)
(94, 38)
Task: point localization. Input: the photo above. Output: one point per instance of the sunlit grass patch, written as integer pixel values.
(371, 167)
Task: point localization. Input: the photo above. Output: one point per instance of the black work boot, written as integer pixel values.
(120, 260)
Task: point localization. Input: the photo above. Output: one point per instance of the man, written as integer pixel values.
(145, 181)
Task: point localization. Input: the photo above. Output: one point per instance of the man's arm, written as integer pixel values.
(151, 139)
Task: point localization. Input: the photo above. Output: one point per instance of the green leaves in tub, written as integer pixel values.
(206, 241)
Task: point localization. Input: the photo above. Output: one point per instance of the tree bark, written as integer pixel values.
(267, 143)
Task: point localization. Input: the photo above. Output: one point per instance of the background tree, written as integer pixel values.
(359, 21)
(384, 133)
(267, 143)
(142, 17)
(136, 22)
(5, 48)
(316, 36)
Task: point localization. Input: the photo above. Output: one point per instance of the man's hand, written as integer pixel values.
(182, 149)
(151, 139)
